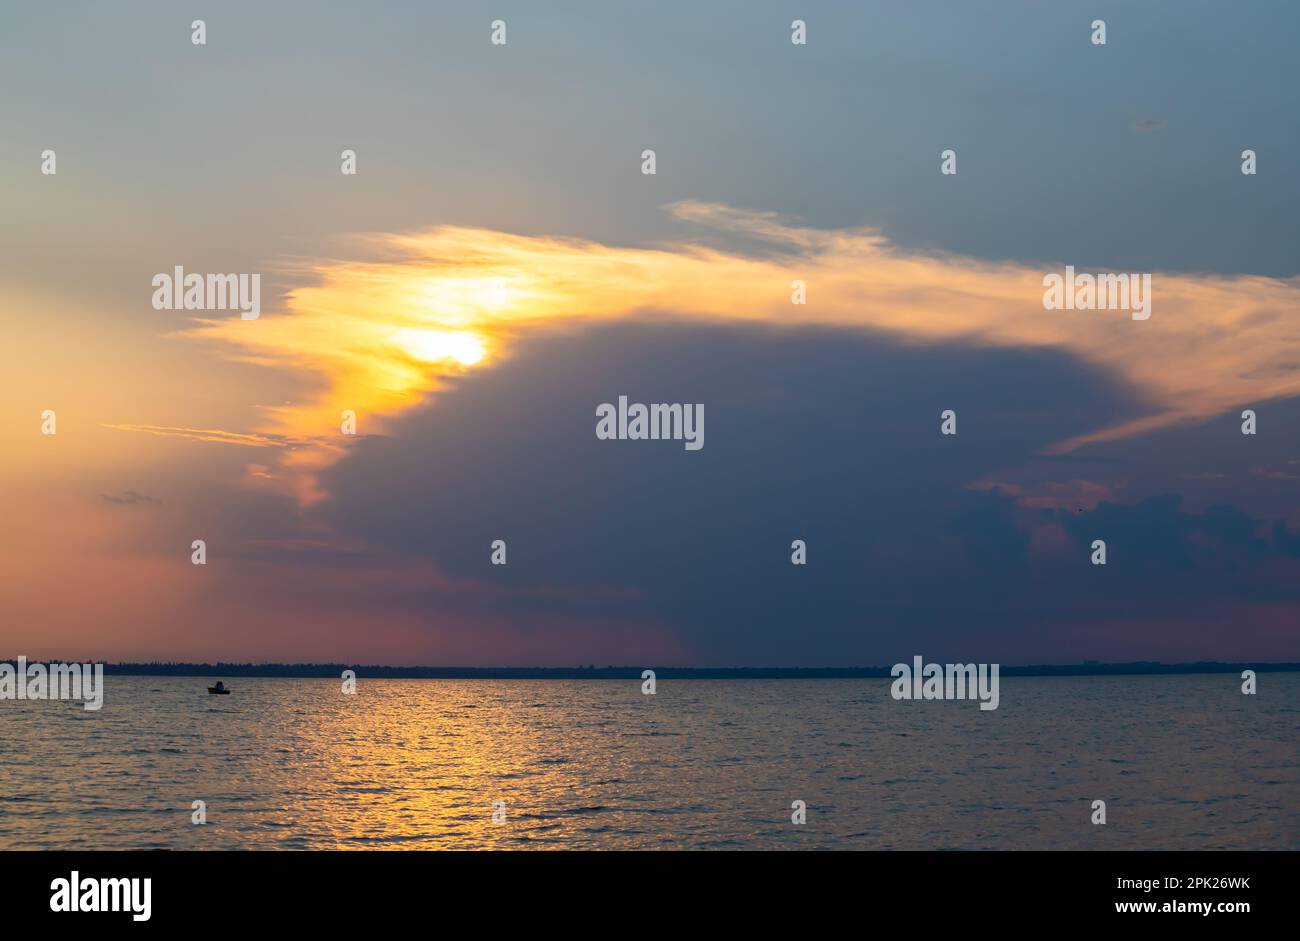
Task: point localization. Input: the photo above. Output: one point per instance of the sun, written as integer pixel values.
(433, 346)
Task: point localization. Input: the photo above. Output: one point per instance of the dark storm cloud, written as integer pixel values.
(827, 436)
(1209, 462)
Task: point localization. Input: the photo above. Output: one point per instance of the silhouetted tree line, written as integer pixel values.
(334, 670)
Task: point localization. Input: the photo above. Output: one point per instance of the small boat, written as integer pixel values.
(218, 691)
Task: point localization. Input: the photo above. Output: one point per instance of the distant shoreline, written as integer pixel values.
(373, 671)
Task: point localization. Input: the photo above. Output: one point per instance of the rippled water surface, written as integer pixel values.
(1182, 762)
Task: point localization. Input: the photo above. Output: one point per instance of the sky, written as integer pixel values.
(499, 266)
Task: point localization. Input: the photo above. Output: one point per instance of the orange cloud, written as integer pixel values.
(379, 332)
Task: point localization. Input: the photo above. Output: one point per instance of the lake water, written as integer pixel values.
(1183, 762)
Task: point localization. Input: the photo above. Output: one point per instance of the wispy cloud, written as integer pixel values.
(210, 435)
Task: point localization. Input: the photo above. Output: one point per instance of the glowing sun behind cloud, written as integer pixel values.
(433, 346)
(377, 333)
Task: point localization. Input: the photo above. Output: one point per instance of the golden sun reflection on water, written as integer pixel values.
(595, 764)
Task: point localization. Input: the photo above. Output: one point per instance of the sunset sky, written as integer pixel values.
(499, 266)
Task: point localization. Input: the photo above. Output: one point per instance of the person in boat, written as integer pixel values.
(220, 687)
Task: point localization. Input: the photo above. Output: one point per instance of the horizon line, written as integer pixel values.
(323, 670)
